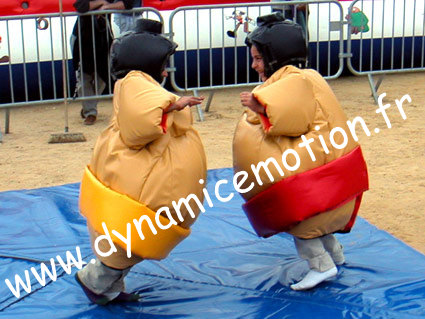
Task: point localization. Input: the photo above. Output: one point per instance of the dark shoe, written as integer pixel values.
(126, 297)
(97, 299)
(90, 120)
(102, 300)
(82, 114)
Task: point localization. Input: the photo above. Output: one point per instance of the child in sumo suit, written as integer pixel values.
(148, 157)
(309, 176)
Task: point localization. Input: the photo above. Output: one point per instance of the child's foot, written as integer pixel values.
(126, 297)
(338, 259)
(313, 278)
(102, 300)
(95, 298)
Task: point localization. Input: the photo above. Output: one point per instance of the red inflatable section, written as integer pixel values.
(25, 7)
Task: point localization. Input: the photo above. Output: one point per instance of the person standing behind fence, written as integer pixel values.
(90, 43)
(318, 189)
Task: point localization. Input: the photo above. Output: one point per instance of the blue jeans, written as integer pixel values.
(124, 22)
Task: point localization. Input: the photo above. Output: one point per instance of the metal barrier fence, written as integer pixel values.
(37, 63)
(212, 53)
(384, 36)
(393, 42)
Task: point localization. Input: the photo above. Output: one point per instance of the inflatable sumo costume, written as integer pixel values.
(141, 163)
(318, 187)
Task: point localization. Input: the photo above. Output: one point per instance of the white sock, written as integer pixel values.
(314, 278)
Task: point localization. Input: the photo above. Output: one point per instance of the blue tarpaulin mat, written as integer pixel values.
(223, 270)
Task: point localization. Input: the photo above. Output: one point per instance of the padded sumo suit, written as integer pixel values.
(145, 159)
(319, 197)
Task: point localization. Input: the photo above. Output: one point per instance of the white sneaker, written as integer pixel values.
(313, 278)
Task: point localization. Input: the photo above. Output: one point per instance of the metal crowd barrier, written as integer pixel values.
(385, 36)
(212, 53)
(394, 41)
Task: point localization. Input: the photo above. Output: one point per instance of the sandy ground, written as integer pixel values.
(395, 157)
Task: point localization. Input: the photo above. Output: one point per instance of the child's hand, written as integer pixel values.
(248, 100)
(184, 101)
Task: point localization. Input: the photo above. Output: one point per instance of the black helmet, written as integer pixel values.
(279, 41)
(143, 49)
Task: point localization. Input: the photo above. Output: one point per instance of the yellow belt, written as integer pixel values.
(99, 203)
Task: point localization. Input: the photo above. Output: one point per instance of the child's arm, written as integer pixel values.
(141, 117)
(184, 101)
(290, 106)
(248, 100)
